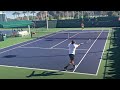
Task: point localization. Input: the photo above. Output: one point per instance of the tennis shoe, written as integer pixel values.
(65, 68)
(75, 66)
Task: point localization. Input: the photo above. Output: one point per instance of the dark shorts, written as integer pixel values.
(71, 56)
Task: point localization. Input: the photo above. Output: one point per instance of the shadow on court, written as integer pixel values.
(44, 73)
(18, 56)
(112, 65)
(9, 56)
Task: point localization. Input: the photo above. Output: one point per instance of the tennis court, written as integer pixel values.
(50, 52)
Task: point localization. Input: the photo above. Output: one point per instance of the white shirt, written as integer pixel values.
(72, 48)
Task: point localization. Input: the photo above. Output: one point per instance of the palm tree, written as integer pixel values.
(14, 14)
(24, 12)
(33, 12)
(78, 14)
(39, 15)
(66, 13)
(5, 16)
(17, 13)
(73, 12)
(28, 15)
(62, 13)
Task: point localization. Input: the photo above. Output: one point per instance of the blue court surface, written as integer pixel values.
(51, 52)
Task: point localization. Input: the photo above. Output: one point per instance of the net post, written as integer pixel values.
(29, 28)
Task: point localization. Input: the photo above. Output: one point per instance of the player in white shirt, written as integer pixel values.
(72, 48)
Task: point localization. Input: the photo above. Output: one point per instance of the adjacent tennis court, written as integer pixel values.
(50, 52)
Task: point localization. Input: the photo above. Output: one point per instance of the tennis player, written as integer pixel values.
(72, 48)
(82, 25)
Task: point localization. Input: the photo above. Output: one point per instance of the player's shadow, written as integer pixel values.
(46, 56)
(48, 40)
(44, 73)
(9, 56)
(13, 56)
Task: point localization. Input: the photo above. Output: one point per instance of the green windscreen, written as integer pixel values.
(15, 24)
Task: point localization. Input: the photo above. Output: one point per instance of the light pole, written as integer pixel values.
(78, 15)
(82, 16)
(47, 19)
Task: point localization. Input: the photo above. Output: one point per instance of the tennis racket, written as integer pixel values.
(88, 41)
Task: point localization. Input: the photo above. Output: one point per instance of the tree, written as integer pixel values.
(33, 12)
(24, 12)
(73, 12)
(115, 13)
(41, 15)
(110, 13)
(28, 15)
(17, 13)
(14, 14)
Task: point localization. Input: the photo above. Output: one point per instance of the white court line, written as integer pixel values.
(50, 48)
(78, 73)
(30, 40)
(102, 53)
(46, 70)
(85, 32)
(64, 41)
(26, 44)
(71, 37)
(33, 39)
(87, 52)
